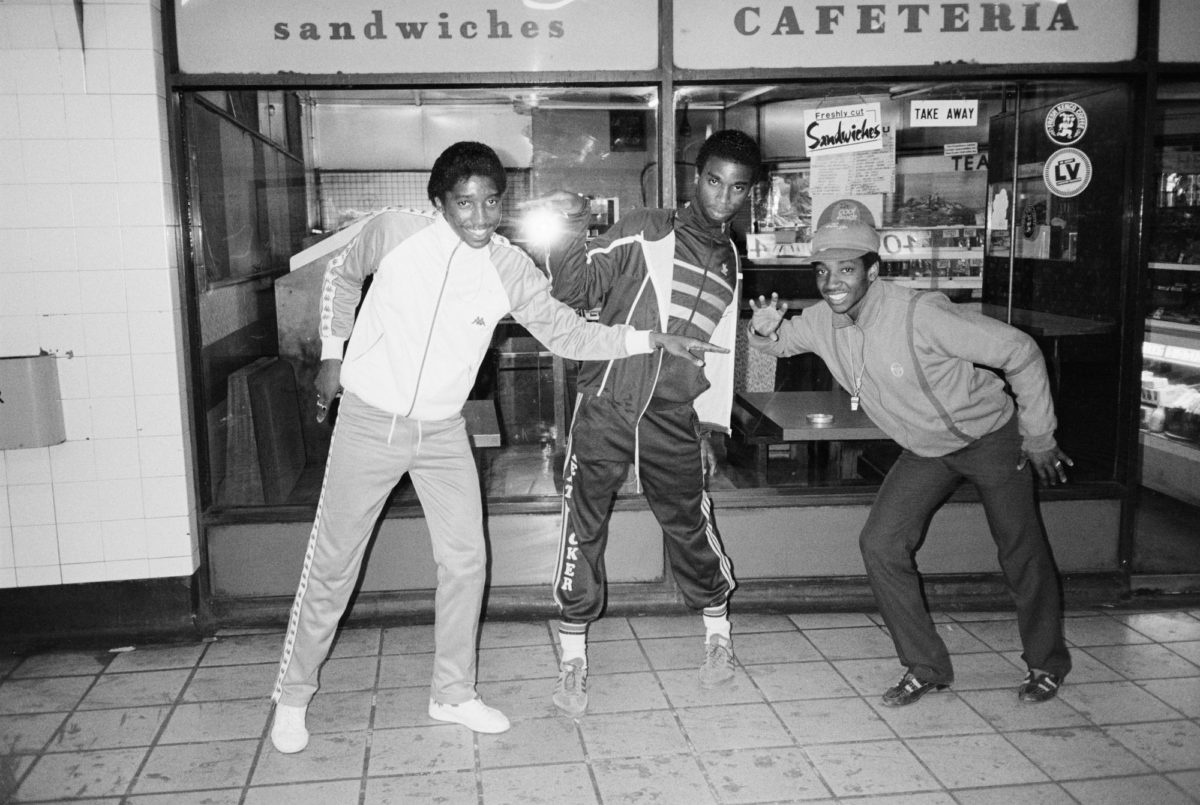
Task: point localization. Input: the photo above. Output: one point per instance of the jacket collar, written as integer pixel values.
(869, 312)
(689, 215)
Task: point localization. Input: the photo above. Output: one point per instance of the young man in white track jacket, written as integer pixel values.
(440, 284)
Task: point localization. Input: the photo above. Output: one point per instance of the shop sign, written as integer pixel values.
(1066, 123)
(1067, 173)
(943, 114)
(415, 36)
(1178, 30)
(731, 34)
(843, 129)
(960, 150)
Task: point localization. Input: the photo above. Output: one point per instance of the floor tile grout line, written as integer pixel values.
(162, 728)
(1108, 666)
(366, 778)
(794, 738)
(1149, 762)
(1005, 735)
(41, 753)
(673, 708)
(1122, 677)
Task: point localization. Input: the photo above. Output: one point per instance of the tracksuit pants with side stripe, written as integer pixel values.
(370, 452)
(602, 447)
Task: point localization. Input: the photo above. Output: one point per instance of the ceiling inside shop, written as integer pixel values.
(707, 96)
(519, 97)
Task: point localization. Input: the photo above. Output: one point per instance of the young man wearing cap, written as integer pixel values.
(913, 361)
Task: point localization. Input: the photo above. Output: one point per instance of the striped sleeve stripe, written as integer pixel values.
(699, 274)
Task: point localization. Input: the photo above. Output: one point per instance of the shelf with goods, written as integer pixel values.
(1170, 434)
(942, 258)
(1173, 267)
(1174, 293)
(1155, 266)
(946, 258)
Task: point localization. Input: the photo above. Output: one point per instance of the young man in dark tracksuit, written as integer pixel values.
(915, 362)
(673, 271)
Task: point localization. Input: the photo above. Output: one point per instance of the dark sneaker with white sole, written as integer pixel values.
(909, 690)
(1038, 686)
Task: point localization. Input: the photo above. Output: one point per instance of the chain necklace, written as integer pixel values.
(858, 375)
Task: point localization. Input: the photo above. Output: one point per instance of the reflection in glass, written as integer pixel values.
(274, 193)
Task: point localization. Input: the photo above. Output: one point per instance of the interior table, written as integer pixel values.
(763, 418)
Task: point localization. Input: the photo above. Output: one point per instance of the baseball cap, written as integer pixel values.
(845, 230)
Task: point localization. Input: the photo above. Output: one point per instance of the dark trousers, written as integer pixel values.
(914, 488)
(599, 453)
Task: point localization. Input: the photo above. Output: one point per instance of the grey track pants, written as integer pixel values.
(370, 452)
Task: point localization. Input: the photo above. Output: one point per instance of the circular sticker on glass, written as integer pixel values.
(1067, 172)
(1066, 123)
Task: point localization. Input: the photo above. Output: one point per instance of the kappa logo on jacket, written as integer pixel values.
(478, 321)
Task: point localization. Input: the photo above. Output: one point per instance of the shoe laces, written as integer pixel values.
(1043, 681)
(717, 652)
(571, 677)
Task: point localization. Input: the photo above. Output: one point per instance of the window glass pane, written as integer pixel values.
(942, 191)
(365, 151)
(1059, 274)
(1170, 391)
(952, 216)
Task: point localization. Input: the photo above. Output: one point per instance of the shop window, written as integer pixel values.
(1170, 437)
(366, 151)
(955, 217)
(958, 215)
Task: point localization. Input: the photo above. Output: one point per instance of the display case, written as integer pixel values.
(1170, 434)
(930, 218)
(1174, 248)
(942, 258)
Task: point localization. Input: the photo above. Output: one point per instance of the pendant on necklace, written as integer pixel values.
(854, 402)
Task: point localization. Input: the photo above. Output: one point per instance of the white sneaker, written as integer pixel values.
(288, 733)
(474, 715)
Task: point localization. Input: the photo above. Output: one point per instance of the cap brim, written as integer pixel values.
(833, 255)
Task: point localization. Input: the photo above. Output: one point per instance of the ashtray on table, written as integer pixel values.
(820, 419)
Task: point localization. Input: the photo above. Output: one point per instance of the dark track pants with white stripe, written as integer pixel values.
(601, 449)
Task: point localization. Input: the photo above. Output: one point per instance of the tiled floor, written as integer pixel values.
(801, 722)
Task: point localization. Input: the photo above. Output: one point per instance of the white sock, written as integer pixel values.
(574, 646)
(716, 624)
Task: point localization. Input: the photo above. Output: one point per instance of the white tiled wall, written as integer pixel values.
(88, 273)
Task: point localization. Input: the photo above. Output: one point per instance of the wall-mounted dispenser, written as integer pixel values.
(30, 404)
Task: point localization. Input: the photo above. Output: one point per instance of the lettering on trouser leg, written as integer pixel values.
(569, 565)
(569, 481)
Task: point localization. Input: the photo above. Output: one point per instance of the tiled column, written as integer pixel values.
(88, 273)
